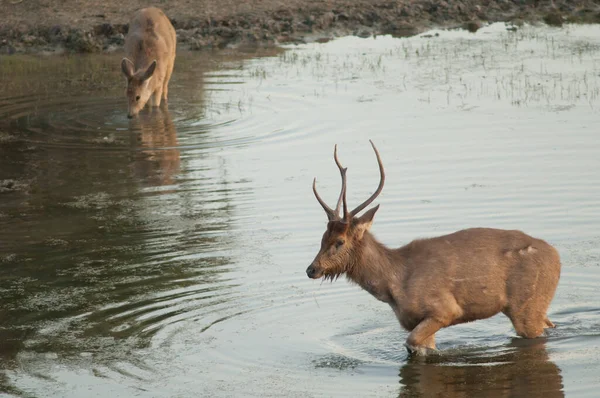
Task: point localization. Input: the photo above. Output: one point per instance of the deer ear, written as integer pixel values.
(364, 222)
(127, 68)
(149, 71)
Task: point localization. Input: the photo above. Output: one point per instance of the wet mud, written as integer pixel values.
(96, 26)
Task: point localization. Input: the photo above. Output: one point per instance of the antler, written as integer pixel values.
(347, 216)
(342, 197)
(334, 214)
(367, 202)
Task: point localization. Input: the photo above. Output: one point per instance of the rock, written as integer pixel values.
(284, 38)
(406, 12)
(342, 16)
(302, 27)
(326, 20)
(82, 41)
(554, 18)
(225, 32)
(104, 29)
(250, 37)
(122, 28)
(118, 39)
(111, 48)
(197, 44)
(400, 29)
(286, 27)
(472, 26)
(363, 33)
(184, 35)
(266, 35)
(29, 40)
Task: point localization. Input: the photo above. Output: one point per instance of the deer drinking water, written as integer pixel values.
(150, 56)
(438, 282)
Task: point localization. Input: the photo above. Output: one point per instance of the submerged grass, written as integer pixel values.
(523, 65)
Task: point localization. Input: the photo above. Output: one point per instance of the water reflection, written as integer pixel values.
(157, 160)
(523, 369)
(92, 264)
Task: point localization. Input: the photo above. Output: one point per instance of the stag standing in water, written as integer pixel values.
(438, 282)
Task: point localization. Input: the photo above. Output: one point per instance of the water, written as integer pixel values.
(166, 256)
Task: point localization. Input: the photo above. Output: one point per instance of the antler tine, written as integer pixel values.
(379, 188)
(330, 214)
(342, 197)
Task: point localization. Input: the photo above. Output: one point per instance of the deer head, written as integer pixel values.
(343, 238)
(138, 87)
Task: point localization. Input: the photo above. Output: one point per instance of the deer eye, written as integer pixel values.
(137, 97)
(339, 243)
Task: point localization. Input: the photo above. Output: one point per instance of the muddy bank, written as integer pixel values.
(57, 25)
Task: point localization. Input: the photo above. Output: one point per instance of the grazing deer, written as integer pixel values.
(438, 282)
(150, 50)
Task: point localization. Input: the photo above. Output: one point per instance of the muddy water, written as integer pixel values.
(165, 256)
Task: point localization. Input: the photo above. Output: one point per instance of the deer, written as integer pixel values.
(434, 283)
(150, 48)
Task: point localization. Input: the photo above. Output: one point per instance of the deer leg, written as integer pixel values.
(528, 329)
(165, 93)
(528, 315)
(157, 97)
(529, 323)
(429, 342)
(422, 338)
(548, 323)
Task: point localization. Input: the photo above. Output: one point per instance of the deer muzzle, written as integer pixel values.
(312, 272)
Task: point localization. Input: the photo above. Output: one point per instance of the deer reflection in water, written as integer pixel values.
(524, 371)
(157, 160)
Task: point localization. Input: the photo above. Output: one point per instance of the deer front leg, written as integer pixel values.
(157, 97)
(429, 342)
(548, 323)
(165, 93)
(421, 340)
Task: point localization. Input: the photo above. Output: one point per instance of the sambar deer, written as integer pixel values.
(438, 282)
(150, 56)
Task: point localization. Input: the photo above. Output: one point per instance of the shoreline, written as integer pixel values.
(68, 27)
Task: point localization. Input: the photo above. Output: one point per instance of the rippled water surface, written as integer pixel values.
(166, 256)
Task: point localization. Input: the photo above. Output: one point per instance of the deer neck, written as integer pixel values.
(376, 268)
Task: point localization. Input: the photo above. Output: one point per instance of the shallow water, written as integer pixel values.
(166, 256)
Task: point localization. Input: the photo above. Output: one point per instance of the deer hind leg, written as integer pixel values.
(527, 308)
(530, 319)
(422, 338)
(529, 328)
